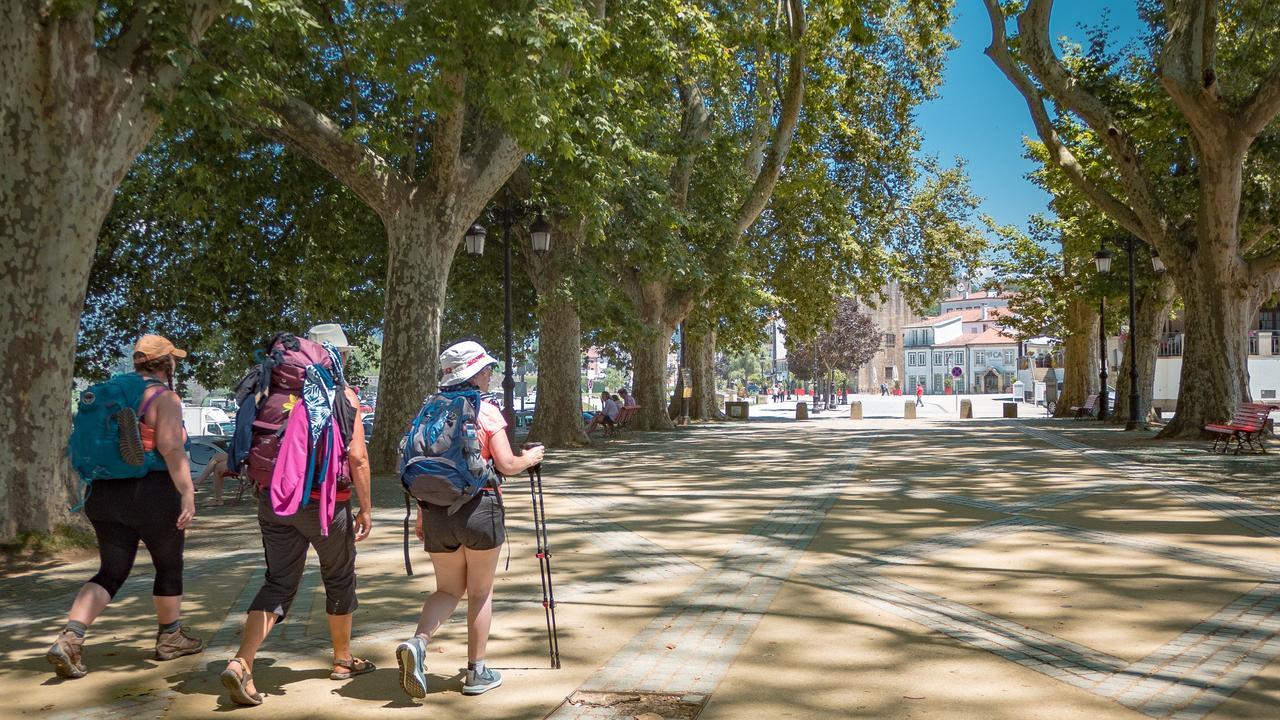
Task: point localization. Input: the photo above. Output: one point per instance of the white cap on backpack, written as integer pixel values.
(463, 360)
(331, 333)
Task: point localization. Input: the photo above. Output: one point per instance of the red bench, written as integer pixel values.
(1248, 426)
(1087, 409)
(624, 417)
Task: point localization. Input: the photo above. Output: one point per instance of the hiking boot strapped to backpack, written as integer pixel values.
(105, 440)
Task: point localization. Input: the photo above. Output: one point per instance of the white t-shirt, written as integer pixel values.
(610, 409)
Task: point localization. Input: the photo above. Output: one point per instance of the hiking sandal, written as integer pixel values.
(237, 685)
(354, 665)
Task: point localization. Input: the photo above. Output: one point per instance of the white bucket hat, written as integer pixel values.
(331, 333)
(463, 360)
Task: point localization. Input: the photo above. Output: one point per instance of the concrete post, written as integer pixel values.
(909, 410)
(1011, 410)
(966, 409)
(802, 411)
(855, 410)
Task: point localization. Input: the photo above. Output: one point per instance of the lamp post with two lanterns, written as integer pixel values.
(540, 238)
(1102, 258)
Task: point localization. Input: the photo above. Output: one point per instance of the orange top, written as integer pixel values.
(147, 432)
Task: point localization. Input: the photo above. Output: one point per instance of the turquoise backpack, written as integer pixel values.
(105, 443)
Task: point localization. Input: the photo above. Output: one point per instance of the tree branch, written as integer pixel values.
(366, 173)
(792, 100)
(446, 132)
(761, 101)
(132, 51)
(695, 124)
(1187, 69)
(1261, 107)
(1033, 30)
(485, 169)
(1059, 154)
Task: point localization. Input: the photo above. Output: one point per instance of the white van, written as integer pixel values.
(207, 421)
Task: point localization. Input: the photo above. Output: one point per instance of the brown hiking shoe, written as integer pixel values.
(65, 655)
(176, 644)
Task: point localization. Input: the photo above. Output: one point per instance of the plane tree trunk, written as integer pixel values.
(74, 115)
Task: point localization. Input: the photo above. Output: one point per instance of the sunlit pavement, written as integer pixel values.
(875, 568)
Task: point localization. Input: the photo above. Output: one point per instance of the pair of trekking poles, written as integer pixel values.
(543, 552)
(544, 562)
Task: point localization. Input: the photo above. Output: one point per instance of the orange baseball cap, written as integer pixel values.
(154, 347)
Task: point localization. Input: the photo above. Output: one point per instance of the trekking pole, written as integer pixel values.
(544, 562)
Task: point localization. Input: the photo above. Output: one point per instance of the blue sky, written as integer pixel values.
(982, 118)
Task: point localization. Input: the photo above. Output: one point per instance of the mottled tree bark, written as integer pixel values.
(557, 422)
(1155, 300)
(1216, 314)
(649, 348)
(419, 256)
(74, 115)
(1080, 355)
(700, 355)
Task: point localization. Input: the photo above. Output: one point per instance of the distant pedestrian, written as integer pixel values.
(154, 508)
(919, 395)
(884, 389)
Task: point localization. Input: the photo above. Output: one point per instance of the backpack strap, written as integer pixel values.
(146, 402)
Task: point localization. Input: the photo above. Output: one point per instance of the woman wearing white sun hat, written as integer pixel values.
(464, 546)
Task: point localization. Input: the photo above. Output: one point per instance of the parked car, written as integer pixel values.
(368, 425)
(202, 449)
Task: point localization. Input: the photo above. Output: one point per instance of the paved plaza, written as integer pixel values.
(826, 568)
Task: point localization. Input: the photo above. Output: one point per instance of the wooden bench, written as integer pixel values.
(624, 418)
(1248, 426)
(1087, 409)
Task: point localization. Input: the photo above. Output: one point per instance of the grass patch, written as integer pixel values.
(62, 539)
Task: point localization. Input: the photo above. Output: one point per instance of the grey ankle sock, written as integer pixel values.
(77, 628)
(172, 627)
(475, 666)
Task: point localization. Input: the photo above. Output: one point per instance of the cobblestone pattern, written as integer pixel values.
(689, 646)
(1184, 679)
(1245, 513)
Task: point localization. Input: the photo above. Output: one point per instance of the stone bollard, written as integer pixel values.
(909, 410)
(855, 410)
(966, 409)
(1011, 410)
(802, 410)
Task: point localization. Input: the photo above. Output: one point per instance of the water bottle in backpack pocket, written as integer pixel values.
(440, 462)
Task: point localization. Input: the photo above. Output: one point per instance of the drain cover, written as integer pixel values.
(631, 705)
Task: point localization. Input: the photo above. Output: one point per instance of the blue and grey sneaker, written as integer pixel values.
(411, 656)
(482, 681)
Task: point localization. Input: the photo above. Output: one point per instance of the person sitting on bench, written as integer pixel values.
(607, 415)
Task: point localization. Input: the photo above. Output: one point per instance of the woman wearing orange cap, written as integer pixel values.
(155, 509)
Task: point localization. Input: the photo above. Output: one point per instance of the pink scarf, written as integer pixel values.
(288, 479)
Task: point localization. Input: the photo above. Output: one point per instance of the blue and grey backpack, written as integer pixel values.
(440, 461)
(105, 441)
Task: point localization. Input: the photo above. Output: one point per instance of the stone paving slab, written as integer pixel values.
(818, 569)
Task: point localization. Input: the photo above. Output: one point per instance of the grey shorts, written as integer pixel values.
(286, 541)
(478, 525)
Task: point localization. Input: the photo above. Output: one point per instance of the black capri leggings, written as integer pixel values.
(124, 512)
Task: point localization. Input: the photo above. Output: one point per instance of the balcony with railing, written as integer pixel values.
(1171, 344)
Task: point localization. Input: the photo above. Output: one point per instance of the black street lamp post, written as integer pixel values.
(1103, 260)
(540, 236)
(1104, 395)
